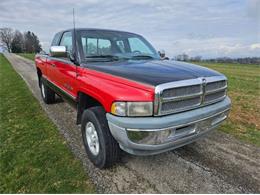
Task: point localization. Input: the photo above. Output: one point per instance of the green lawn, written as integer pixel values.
(29, 56)
(34, 157)
(244, 91)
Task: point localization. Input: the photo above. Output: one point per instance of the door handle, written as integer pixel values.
(53, 65)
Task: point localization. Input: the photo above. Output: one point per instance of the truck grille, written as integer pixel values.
(181, 91)
(181, 104)
(185, 95)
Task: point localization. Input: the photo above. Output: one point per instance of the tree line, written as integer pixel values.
(246, 60)
(16, 42)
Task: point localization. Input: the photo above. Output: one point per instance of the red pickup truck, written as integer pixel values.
(127, 97)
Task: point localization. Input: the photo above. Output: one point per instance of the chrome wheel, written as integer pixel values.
(43, 91)
(92, 138)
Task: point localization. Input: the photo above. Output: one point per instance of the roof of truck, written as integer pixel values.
(97, 29)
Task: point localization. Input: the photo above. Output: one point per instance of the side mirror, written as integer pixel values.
(58, 51)
(162, 55)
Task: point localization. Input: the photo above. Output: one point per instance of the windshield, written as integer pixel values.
(102, 45)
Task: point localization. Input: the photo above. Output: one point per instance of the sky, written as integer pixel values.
(208, 28)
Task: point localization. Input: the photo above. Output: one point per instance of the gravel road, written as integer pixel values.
(216, 164)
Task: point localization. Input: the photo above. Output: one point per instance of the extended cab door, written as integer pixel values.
(63, 70)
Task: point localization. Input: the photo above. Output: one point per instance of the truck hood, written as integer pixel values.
(153, 72)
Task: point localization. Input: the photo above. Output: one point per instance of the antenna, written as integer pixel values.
(73, 19)
(74, 41)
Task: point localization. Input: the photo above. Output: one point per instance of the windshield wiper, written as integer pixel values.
(109, 57)
(142, 57)
(116, 58)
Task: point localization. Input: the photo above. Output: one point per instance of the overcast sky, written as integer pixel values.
(210, 28)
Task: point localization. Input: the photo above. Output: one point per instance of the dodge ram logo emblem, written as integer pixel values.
(204, 82)
(204, 89)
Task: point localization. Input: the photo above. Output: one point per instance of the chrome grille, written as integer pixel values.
(213, 97)
(215, 85)
(181, 91)
(185, 95)
(181, 104)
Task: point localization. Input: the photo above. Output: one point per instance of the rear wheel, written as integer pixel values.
(101, 147)
(48, 95)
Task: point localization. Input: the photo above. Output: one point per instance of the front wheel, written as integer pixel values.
(101, 147)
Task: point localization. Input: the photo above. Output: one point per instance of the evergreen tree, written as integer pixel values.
(31, 43)
(17, 44)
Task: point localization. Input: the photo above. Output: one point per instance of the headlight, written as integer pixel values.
(139, 108)
(118, 108)
(132, 108)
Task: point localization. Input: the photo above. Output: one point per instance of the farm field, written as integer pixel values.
(244, 91)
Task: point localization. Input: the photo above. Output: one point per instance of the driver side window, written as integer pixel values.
(67, 41)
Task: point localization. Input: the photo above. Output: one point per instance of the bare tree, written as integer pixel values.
(6, 37)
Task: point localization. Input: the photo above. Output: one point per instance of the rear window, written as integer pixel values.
(96, 46)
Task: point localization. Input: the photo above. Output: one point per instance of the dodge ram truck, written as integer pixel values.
(126, 96)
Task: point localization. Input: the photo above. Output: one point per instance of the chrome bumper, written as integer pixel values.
(153, 135)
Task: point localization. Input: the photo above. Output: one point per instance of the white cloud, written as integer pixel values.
(255, 46)
(213, 47)
(206, 27)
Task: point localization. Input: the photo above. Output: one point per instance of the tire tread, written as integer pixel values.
(112, 150)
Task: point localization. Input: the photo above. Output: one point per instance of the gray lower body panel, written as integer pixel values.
(153, 135)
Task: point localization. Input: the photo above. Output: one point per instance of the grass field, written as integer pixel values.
(244, 91)
(34, 158)
(29, 56)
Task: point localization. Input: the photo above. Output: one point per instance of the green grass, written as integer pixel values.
(244, 91)
(34, 158)
(29, 56)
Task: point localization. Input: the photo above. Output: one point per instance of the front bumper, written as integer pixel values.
(153, 135)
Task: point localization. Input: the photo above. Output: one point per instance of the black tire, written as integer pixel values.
(109, 150)
(48, 95)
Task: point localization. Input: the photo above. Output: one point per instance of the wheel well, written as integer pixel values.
(84, 102)
(39, 73)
